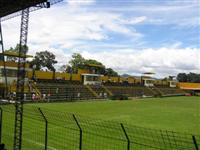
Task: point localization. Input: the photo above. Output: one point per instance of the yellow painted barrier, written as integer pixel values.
(76, 77)
(104, 78)
(188, 86)
(43, 75)
(114, 79)
(131, 80)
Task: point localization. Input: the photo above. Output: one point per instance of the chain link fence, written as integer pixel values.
(49, 129)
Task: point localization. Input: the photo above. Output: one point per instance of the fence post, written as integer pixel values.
(1, 123)
(80, 140)
(128, 140)
(46, 128)
(195, 142)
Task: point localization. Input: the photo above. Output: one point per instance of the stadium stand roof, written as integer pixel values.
(8, 7)
(12, 8)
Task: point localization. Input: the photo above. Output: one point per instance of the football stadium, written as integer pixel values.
(87, 105)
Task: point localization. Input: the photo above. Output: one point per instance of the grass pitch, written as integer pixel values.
(171, 113)
(180, 114)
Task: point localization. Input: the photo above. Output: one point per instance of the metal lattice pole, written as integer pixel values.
(1, 123)
(20, 80)
(3, 59)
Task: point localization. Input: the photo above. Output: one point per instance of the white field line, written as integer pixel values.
(32, 141)
(36, 143)
(40, 144)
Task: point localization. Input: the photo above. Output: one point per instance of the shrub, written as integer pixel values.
(119, 97)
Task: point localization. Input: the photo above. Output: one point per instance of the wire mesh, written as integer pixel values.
(33, 130)
(8, 126)
(64, 133)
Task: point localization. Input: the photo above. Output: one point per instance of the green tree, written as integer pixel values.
(95, 65)
(193, 77)
(182, 77)
(92, 61)
(77, 62)
(110, 72)
(16, 50)
(65, 68)
(44, 59)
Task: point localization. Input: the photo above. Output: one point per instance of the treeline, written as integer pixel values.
(190, 77)
(46, 60)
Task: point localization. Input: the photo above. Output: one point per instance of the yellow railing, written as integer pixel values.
(107, 90)
(92, 91)
(35, 89)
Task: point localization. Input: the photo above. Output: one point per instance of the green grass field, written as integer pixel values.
(179, 114)
(173, 113)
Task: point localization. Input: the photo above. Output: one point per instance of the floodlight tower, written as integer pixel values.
(10, 9)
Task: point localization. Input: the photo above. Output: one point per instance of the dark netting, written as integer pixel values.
(58, 130)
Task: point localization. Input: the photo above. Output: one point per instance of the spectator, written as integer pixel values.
(14, 94)
(24, 96)
(30, 86)
(44, 96)
(79, 95)
(37, 97)
(105, 95)
(33, 96)
(100, 94)
(57, 90)
(48, 97)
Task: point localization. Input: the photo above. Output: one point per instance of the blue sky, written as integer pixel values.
(131, 36)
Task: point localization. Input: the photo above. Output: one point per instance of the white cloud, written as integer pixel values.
(61, 56)
(64, 26)
(135, 20)
(163, 61)
(80, 2)
(174, 45)
(181, 13)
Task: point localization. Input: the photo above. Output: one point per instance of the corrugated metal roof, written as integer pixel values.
(8, 7)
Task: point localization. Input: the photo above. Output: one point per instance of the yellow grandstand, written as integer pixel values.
(90, 80)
